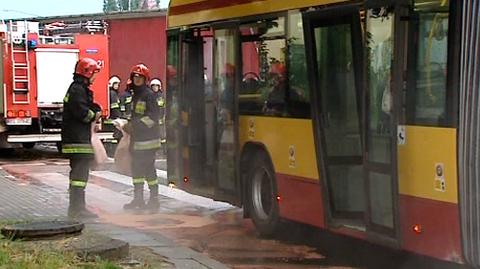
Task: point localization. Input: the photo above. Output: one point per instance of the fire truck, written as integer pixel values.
(36, 69)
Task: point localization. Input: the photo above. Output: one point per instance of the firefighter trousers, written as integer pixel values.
(79, 169)
(143, 168)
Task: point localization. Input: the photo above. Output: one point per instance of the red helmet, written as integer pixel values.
(278, 69)
(229, 69)
(171, 71)
(142, 70)
(86, 67)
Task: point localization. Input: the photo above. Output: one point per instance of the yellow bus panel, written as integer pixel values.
(427, 163)
(190, 12)
(289, 142)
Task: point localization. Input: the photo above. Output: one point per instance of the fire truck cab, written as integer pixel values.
(36, 69)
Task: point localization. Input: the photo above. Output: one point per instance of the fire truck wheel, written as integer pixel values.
(262, 196)
(28, 145)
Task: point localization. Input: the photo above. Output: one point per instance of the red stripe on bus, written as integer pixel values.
(205, 5)
(438, 233)
(301, 200)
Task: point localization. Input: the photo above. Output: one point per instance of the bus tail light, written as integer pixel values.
(11, 114)
(21, 114)
(417, 228)
(279, 198)
(185, 179)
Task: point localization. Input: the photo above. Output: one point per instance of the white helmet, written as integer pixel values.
(113, 80)
(155, 81)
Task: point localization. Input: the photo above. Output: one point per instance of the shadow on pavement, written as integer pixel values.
(346, 251)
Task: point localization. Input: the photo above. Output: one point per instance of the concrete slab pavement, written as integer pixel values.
(26, 199)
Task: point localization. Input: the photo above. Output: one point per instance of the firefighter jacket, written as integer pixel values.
(114, 104)
(161, 105)
(145, 130)
(126, 104)
(79, 112)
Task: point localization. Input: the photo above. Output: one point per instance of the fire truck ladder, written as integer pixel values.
(20, 63)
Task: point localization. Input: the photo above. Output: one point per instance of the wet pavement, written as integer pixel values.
(209, 228)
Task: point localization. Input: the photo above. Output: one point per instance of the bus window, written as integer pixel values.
(430, 105)
(264, 80)
(298, 95)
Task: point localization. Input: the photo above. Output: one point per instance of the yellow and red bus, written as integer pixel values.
(359, 117)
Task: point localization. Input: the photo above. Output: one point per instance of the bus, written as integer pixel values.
(357, 117)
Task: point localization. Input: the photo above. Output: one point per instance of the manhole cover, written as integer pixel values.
(106, 248)
(42, 229)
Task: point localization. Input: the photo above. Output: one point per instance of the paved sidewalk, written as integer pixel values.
(21, 200)
(27, 200)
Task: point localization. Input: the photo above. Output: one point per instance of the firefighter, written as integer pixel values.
(113, 86)
(126, 101)
(115, 111)
(145, 139)
(157, 87)
(79, 113)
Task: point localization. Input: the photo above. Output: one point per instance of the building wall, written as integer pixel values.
(137, 40)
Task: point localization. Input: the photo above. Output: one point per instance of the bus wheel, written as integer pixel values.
(262, 199)
(28, 145)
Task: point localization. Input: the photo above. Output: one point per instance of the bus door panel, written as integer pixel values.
(383, 91)
(194, 109)
(334, 52)
(225, 88)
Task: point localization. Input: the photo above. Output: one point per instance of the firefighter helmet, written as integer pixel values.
(229, 69)
(113, 80)
(278, 69)
(171, 71)
(142, 70)
(87, 67)
(156, 81)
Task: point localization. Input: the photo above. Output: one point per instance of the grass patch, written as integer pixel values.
(57, 254)
(44, 254)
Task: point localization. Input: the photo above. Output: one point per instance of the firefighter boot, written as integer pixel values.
(137, 203)
(153, 203)
(77, 209)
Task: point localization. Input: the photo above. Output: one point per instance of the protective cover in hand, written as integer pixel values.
(98, 148)
(123, 156)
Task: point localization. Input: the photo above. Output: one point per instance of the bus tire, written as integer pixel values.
(262, 196)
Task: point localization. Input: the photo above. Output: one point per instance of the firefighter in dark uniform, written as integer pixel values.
(79, 113)
(115, 112)
(126, 101)
(157, 88)
(145, 139)
(113, 86)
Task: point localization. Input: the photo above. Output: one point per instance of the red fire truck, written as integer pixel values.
(38, 65)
